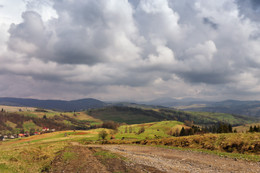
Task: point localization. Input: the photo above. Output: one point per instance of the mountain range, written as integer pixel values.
(61, 105)
(251, 108)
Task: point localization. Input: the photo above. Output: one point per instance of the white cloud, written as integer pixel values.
(137, 50)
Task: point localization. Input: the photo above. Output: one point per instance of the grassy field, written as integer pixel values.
(123, 115)
(152, 130)
(16, 108)
(245, 128)
(14, 122)
(137, 115)
(210, 117)
(35, 153)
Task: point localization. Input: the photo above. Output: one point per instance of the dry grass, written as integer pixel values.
(248, 143)
(245, 128)
(16, 108)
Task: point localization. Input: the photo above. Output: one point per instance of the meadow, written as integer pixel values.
(35, 153)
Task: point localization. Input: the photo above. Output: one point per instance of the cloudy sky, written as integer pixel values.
(130, 49)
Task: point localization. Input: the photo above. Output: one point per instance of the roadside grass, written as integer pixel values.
(229, 142)
(248, 157)
(67, 155)
(28, 158)
(239, 145)
(105, 154)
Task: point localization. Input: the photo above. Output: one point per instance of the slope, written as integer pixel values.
(132, 115)
(73, 105)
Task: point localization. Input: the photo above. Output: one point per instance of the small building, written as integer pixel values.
(45, 129)
(21, 135)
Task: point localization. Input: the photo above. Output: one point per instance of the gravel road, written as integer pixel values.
(171, 160)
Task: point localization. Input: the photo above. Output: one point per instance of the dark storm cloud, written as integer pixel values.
(209, 22)
(134, 3)
(255, 4)
(250, 9)
(210, 78)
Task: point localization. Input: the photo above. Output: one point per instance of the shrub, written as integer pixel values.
(141, 130)
(102, 134)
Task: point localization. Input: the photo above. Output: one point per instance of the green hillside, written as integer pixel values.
(151, 130)
(131, 115)
(127, 115)
(18, 120)
(32, 121)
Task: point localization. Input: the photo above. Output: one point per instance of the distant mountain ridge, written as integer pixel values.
(62, 105)
(251, 108)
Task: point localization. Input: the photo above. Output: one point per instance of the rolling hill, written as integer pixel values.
(31, 121)
(31, 118)
(250, 108)
(61, 105)
(134, 115)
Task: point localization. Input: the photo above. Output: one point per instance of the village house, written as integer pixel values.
(45, 129)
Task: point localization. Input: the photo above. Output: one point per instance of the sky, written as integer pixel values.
(117, 50)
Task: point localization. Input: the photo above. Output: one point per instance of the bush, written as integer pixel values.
(141, 130)
(102, 134)
(110, 125)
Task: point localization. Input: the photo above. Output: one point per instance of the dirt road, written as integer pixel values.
(170, 160)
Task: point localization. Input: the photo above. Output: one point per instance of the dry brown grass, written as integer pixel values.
(16, 108)
(233, 143)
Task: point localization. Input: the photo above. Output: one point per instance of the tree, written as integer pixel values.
(22, 131)
(130, 129)
(229, 128)
(251, 129)
(182, 133)
(32, 131)
(102, 134)
(141, 130)
(110, 125)
(44, 117)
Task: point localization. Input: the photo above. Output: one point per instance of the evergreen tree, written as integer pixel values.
(229, 128)
(250, 129)
(182, 133)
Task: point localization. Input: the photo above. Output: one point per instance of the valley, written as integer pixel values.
(125, 139)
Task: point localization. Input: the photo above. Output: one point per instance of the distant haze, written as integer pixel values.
(130, 49)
